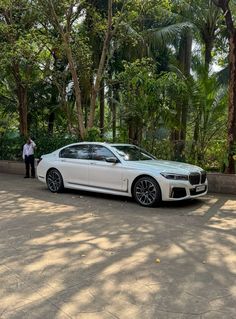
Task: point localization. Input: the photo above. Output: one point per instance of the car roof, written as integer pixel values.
(92, 143)
(99, 143)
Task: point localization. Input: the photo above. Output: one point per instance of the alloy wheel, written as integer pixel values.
(146, 191)
(54, 181)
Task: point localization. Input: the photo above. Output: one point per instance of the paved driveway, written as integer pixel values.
(86, 256)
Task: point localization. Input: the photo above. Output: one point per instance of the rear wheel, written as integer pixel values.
(54, 181)
(147, 192)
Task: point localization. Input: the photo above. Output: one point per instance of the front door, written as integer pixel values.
(102, 174)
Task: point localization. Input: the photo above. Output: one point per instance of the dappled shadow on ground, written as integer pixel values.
(78, 255)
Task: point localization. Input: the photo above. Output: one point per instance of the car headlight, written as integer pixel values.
(173, 176)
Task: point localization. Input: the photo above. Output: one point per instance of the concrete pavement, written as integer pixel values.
(88, 256)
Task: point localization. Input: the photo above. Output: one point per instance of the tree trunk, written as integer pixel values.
(65, 32)
(135, 131)
(76, 87)
(131, 131)
(113, 121)
(23, 109)
(101, 66)
(51, 119)
(209, 44)
(232, 104)
(21, 93)
(224, 5)
(102, 109)
(112, 107)
(194, 147)
(65, 36)
(53, 103)
(185, 65)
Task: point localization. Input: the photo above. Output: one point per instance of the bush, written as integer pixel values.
(11, 146)
(212, 159)
(47, 144)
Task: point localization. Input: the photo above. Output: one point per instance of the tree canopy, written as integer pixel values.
(160, 74)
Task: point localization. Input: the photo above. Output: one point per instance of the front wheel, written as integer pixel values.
(147, 192)
(54, 181)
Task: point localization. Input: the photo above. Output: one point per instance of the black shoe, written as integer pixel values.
(26, 176)
(32, 176)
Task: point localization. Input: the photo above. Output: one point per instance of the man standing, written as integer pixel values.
(28, 157)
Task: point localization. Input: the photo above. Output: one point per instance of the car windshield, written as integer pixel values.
(133, 153)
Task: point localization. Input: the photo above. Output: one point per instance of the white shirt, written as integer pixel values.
(28, 149)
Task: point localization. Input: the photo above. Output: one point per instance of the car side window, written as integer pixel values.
(68, 152)
(83, 151)
(76, 152)
(100, 153)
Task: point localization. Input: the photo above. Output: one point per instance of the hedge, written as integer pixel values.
(11, 147)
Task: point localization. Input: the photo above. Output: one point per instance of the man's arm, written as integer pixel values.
(33, 144)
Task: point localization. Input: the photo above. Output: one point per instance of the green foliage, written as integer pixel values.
(162, 149)
(215, 157)
(208, 116)
(11, 146)
(150, 99)
(93, 135)
(142, 78)
(138, 87)
(47, 144)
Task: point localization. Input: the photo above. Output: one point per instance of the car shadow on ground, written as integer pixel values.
(191, 203)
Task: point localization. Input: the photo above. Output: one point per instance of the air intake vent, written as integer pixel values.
(178, 192)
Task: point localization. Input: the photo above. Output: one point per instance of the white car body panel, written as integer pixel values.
(107, 175)
(117, 178)
(73, 170)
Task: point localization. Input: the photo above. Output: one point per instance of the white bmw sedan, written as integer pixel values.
(120, 169)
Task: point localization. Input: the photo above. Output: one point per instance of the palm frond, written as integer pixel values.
(177, 71)
(223, 76)
(165, 35)
(219, 97)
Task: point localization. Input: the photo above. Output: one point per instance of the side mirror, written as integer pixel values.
(111, 160)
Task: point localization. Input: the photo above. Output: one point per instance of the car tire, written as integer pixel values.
(54, 181)
(147, 192)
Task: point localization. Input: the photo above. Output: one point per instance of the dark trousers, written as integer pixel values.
(29, 162)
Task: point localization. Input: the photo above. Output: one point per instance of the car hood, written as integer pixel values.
(162, 166)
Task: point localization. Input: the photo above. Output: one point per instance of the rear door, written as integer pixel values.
(74, 161)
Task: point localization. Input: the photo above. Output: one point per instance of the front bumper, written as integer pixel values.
(181, 190)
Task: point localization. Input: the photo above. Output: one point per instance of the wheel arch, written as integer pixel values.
(50, 169)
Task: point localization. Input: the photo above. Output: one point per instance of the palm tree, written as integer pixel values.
(154, 37)
(208, 99)
(231, 29)
(204, 17)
